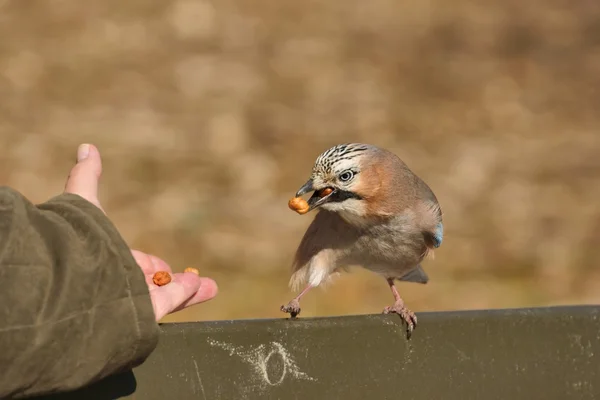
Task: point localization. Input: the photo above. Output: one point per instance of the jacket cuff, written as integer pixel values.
(138, 293)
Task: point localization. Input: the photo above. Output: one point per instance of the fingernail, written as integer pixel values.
(82, 152)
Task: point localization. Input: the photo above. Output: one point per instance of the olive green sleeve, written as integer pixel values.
(74, 305)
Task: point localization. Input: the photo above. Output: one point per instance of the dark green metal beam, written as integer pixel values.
(528, 354)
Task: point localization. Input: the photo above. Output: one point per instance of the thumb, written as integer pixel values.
(84, 176)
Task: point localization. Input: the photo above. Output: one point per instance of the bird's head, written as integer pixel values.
(345, 179)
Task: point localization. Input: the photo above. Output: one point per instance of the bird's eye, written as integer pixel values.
(346, 176)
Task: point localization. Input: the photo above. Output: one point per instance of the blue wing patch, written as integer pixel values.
(438, 235)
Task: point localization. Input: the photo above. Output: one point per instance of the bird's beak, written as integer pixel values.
(307, 187)
(319, 197)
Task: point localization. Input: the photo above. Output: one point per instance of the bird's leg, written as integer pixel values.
(293, 307)
(399, 308)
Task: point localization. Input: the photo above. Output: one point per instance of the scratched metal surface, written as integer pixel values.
(546, 353)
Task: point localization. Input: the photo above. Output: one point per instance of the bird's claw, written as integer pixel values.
(408, 316)
(292, 308)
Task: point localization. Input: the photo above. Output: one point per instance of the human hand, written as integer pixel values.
(185, 289)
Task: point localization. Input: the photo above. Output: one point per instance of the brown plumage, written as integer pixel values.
(379, 215)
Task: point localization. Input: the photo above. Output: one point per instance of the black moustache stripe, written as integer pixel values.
(341, 195)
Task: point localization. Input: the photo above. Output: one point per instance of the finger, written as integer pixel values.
(143, 260)
(208, 290)
(84, 176)
(166, 299)
(150, 264)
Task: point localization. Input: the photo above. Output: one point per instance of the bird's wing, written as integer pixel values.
(327, 231)
(432, 224)
(429, 214)
(434, 238)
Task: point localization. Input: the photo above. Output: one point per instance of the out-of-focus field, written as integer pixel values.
(209, 116)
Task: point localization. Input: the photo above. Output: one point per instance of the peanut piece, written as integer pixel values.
(299, 205)
(325, 192)
(161, 278)
(192, 270)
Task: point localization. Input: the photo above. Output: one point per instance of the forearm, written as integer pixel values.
(74, 305)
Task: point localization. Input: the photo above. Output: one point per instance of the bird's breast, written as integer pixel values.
(395, 245)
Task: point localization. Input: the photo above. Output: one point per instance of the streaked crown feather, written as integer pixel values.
(326, 161)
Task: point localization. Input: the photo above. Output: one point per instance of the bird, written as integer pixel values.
(372, 211)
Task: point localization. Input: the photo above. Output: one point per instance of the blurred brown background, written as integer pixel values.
(209, 115)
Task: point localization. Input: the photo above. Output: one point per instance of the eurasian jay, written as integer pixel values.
(373, 212)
